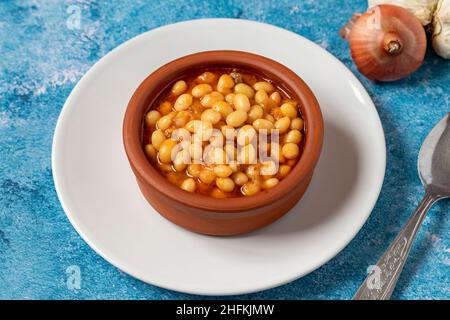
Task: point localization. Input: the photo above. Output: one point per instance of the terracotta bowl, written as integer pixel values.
(204, 214)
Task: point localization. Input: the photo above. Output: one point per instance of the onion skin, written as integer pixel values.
(387, 43)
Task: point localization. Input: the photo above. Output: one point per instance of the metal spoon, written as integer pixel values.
(434, 172)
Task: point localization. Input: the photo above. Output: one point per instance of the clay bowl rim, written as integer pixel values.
(149, 90)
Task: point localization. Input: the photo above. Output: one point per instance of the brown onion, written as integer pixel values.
(387, 42)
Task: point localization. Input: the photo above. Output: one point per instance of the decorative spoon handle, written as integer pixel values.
(380, 283)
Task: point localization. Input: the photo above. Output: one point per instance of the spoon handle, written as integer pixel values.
(380, 283)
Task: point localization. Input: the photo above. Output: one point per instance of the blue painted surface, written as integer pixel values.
(41, 60)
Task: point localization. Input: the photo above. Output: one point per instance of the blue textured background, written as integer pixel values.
(40, 62)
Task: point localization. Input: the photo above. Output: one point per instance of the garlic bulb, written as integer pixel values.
(422, 9)
(441, 29)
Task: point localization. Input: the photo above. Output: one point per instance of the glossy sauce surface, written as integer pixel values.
(234, 102)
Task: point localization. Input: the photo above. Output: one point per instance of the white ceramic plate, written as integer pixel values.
(99, 194)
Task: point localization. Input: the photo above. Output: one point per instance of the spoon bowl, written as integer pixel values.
(434, 157)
